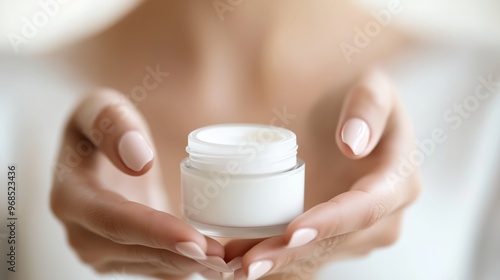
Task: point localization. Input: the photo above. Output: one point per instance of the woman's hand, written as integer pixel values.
(104, 191)
(372, 136)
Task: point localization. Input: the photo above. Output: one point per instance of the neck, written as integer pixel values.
(213, 41)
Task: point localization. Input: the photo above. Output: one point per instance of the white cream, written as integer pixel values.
(242, 181)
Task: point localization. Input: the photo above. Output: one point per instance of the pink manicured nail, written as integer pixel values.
(190, 250)
(134, 150)
(215, 263)
(235, 263)
(356, 135)
(301, 237)
(259, 269)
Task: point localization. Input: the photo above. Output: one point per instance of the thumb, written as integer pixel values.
(110, 121)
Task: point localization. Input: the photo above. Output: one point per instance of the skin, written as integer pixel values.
(265, 56)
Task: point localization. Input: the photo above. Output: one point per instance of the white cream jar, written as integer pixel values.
(242, 180)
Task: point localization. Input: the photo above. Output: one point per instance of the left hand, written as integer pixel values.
(373, 134)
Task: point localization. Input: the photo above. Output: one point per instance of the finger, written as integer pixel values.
(258, 261)
(268, 257)
(238, 247)
(95, 250)
(235, 263)
(111, 123)
(272, 256)
(370, 199)
(364, 115)
(125, 222)
(214, 248)
(384, 233)
(304, 260)
(215, 257)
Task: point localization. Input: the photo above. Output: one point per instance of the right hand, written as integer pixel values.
(103, 192)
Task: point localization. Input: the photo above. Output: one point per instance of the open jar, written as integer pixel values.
(242, 180)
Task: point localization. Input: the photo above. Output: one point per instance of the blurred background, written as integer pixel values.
(451, 233)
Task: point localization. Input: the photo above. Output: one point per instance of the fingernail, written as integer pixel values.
(258, 269)
(235, 263)
(215, 263)
(301, 237)
(134, 150)
(190, 250)
(356, 135)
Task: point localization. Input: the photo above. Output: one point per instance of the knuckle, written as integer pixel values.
(137, 253)
(116, 111)
(307, 267)
(112, 231)
(170, 262)
(165, 260)
(172, 266)
(78, 245)
(368, 94)
(291, 275)
(58, 200)
(376, 211)
(56, 203)
(104, 269)
(88, 258)
(75, 242)
(308, 260)
(150, 230)
(415, 189)
(363, 252)
(337, 221)
(390, 237)
(290, 257)
(174, 263)
(108, 225)
(62, 195)
(330, 244)
(339, 239)
(412, 192)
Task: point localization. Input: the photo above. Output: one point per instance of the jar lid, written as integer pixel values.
(247, 148)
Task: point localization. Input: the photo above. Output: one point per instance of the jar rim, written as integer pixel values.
(256, 148)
